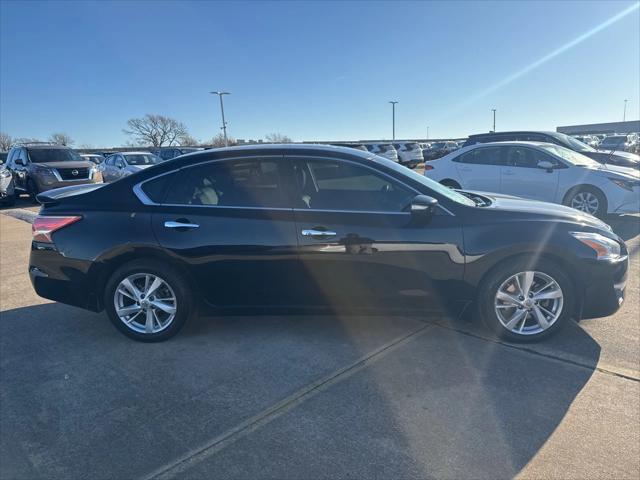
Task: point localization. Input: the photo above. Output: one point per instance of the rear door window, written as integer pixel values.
(255, 182)
(482, 156)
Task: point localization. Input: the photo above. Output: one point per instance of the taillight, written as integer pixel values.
(43, 226)
(428, 167)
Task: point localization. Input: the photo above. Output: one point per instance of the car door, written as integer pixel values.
(108, 168)
(479, 169)
(231, 222)
(522, 177)
(359, 246)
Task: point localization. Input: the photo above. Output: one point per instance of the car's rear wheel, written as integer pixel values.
(148, 301)
(524, 302)
(587, 199)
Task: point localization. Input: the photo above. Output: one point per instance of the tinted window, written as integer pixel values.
(141, 159)
(526, 157)
(155, 189)
(45, 155)
(237, 183)
(338, 185)
(482, 156)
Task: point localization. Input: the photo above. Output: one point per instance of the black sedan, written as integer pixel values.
(297, 226)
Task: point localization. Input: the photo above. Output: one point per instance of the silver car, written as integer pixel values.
(123, 164)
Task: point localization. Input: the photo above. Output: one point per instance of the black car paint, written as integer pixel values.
(254, 257)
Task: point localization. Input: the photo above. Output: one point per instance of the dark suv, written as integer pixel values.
(37, 167)
(620, 158)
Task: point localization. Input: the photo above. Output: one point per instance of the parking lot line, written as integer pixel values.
(221, 441)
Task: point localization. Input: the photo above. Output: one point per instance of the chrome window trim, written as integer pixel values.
(144, 198)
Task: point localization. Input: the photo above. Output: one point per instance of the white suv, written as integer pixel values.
(409, 154)
(540, 171)
(385, 150)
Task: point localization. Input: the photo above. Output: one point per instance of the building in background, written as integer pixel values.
(612, 127)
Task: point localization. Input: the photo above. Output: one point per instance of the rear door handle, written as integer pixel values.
(180, 225)
(318, 233)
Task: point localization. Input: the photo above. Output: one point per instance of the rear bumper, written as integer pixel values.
(604, 286)
(62, 279)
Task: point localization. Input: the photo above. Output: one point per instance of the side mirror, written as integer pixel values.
(423, 206)
(546, 165)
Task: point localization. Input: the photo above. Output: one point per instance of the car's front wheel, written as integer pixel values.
(524, 302)
(587, 199)
(148, 301)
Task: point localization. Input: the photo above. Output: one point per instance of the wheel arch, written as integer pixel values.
(109, 263)
(582, 186)
(556, 258)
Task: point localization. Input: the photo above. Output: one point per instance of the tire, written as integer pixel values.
(450, 183)
(174, 285)
(497, 314)
(9, 201)
(584, 197)
(32, 189)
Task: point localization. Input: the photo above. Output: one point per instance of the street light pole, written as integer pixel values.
(224, 123)
(393, 118)
(624, 113)
(494, 119)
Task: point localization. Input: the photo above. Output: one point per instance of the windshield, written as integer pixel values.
(574, 144)
(142, 159)
(613, 141)
(570, 156)
(438, 145)
(433, 185)
(46, 155)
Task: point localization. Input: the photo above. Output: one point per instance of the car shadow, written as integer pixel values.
(420, 396)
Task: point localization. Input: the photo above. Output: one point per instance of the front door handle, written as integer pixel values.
(180, 225)
(318, 233)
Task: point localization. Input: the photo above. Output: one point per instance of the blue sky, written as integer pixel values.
(313, 71)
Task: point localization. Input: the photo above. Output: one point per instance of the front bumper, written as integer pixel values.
(623, 201)
(49, 183)
(603, 287)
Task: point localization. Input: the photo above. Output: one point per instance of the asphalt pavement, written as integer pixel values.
(310, 396)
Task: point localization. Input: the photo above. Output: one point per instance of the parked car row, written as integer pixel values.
(293, 226)
(540, 171)
(627, 142)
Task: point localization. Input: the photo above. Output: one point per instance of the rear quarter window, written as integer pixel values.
(156, 188)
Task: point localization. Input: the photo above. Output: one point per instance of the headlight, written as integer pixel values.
(605, 248)
(626, 184)
(4, 173)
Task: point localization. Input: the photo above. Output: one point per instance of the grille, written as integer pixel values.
(73, 173)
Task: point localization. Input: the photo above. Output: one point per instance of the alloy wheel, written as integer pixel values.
(528, 303)
(585, 202)
(145, 303)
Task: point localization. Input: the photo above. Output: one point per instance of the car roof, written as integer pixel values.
(136, 152)
(288, 146)
(44, 147)
(489, 134)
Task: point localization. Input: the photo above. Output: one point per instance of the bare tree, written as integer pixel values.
(26, 140)
(5, 141)
(277, 138)
(187, 140)
(156, 130)
(61, 139)
(218, 141)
